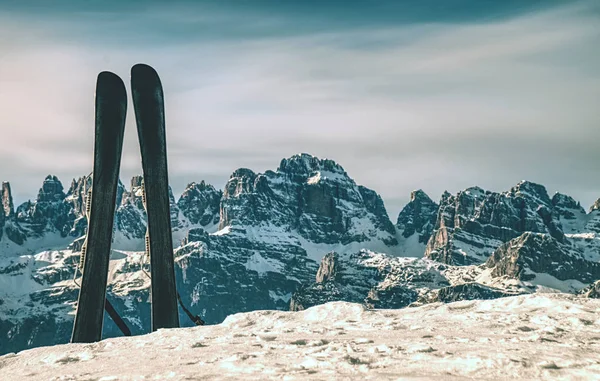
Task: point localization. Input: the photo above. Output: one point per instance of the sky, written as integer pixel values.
(430, 94)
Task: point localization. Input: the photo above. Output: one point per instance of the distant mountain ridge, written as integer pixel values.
(302, 234)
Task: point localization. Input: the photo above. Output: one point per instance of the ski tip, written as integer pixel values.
(144, 75)
(109, 82)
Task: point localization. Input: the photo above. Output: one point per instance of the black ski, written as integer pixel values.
(111, 107)
(148, 103)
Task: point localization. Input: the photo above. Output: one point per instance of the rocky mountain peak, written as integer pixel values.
(137, 181)
(538, 253)
(200, 203)
(329, 269)
(569, 213)
(51, 190)
(595, 206)
(560, 200)
(472, 224)
(243, 172)
(201, 186)
(242, 180)
(528, 188)
(445, 196)
(474, 191)
(418, 216)
(312, 196)
(7, 201)
(195, 187)
(305, 164)
(420, 196)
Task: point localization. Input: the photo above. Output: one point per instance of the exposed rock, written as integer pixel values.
(200, 204)
(51, 191)
(418, 216)
(314, 197)
(229, 273)
(472, 224)
(374, 204)
(14, 232)
(390, 296)
(48, 212)
(593, 222)
(566, 207)
(275, 227)
(531, 253)
(7, 200)
(196, 235)
(592, 291)
(329, 270)
(375, 279)
(2, 223)
(595, 206)
(131, 214)
(465, 291)
(3, 213)
(319, 293)
(552, 225)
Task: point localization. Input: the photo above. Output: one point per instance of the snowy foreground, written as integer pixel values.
(541, 336)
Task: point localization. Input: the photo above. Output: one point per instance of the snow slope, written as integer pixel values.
(542, 337)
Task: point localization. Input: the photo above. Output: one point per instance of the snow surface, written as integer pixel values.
(49, 241)
(543, 336)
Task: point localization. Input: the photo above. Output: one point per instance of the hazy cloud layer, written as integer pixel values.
(438, 100)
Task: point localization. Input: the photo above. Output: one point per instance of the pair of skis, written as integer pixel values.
(111, 108)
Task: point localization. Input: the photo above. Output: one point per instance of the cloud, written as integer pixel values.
(418, 104)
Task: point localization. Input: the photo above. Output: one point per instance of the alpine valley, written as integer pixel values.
(302, 235)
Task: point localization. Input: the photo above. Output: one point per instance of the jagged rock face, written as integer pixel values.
(390, 296)
(2, 223)
(566, 207)
(473, 223)
(200, 204)
(77, 194)
(592, 291)
(51, 191)
(374, 204)
(7, 200)
(330, 268)
(418, 216)
(54, 212)
(314, 197)
(595, 206)
(196, 235)
(131, 214)
(371, 278)
(48, 212)
(217, 275)
(8, 224)
(533, 253)
(76, 201)
(465, 291)
(248, 200)
(7, 206)
(8, 209)
(176, 222)
(593, 223)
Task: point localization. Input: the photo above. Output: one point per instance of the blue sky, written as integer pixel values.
(438, 95)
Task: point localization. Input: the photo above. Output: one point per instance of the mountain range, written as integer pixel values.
(291, 238)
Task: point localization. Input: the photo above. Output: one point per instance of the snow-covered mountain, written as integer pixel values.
(294, 237)
(314, 198)
(474, 223)
(273, 228)
(529, 337)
